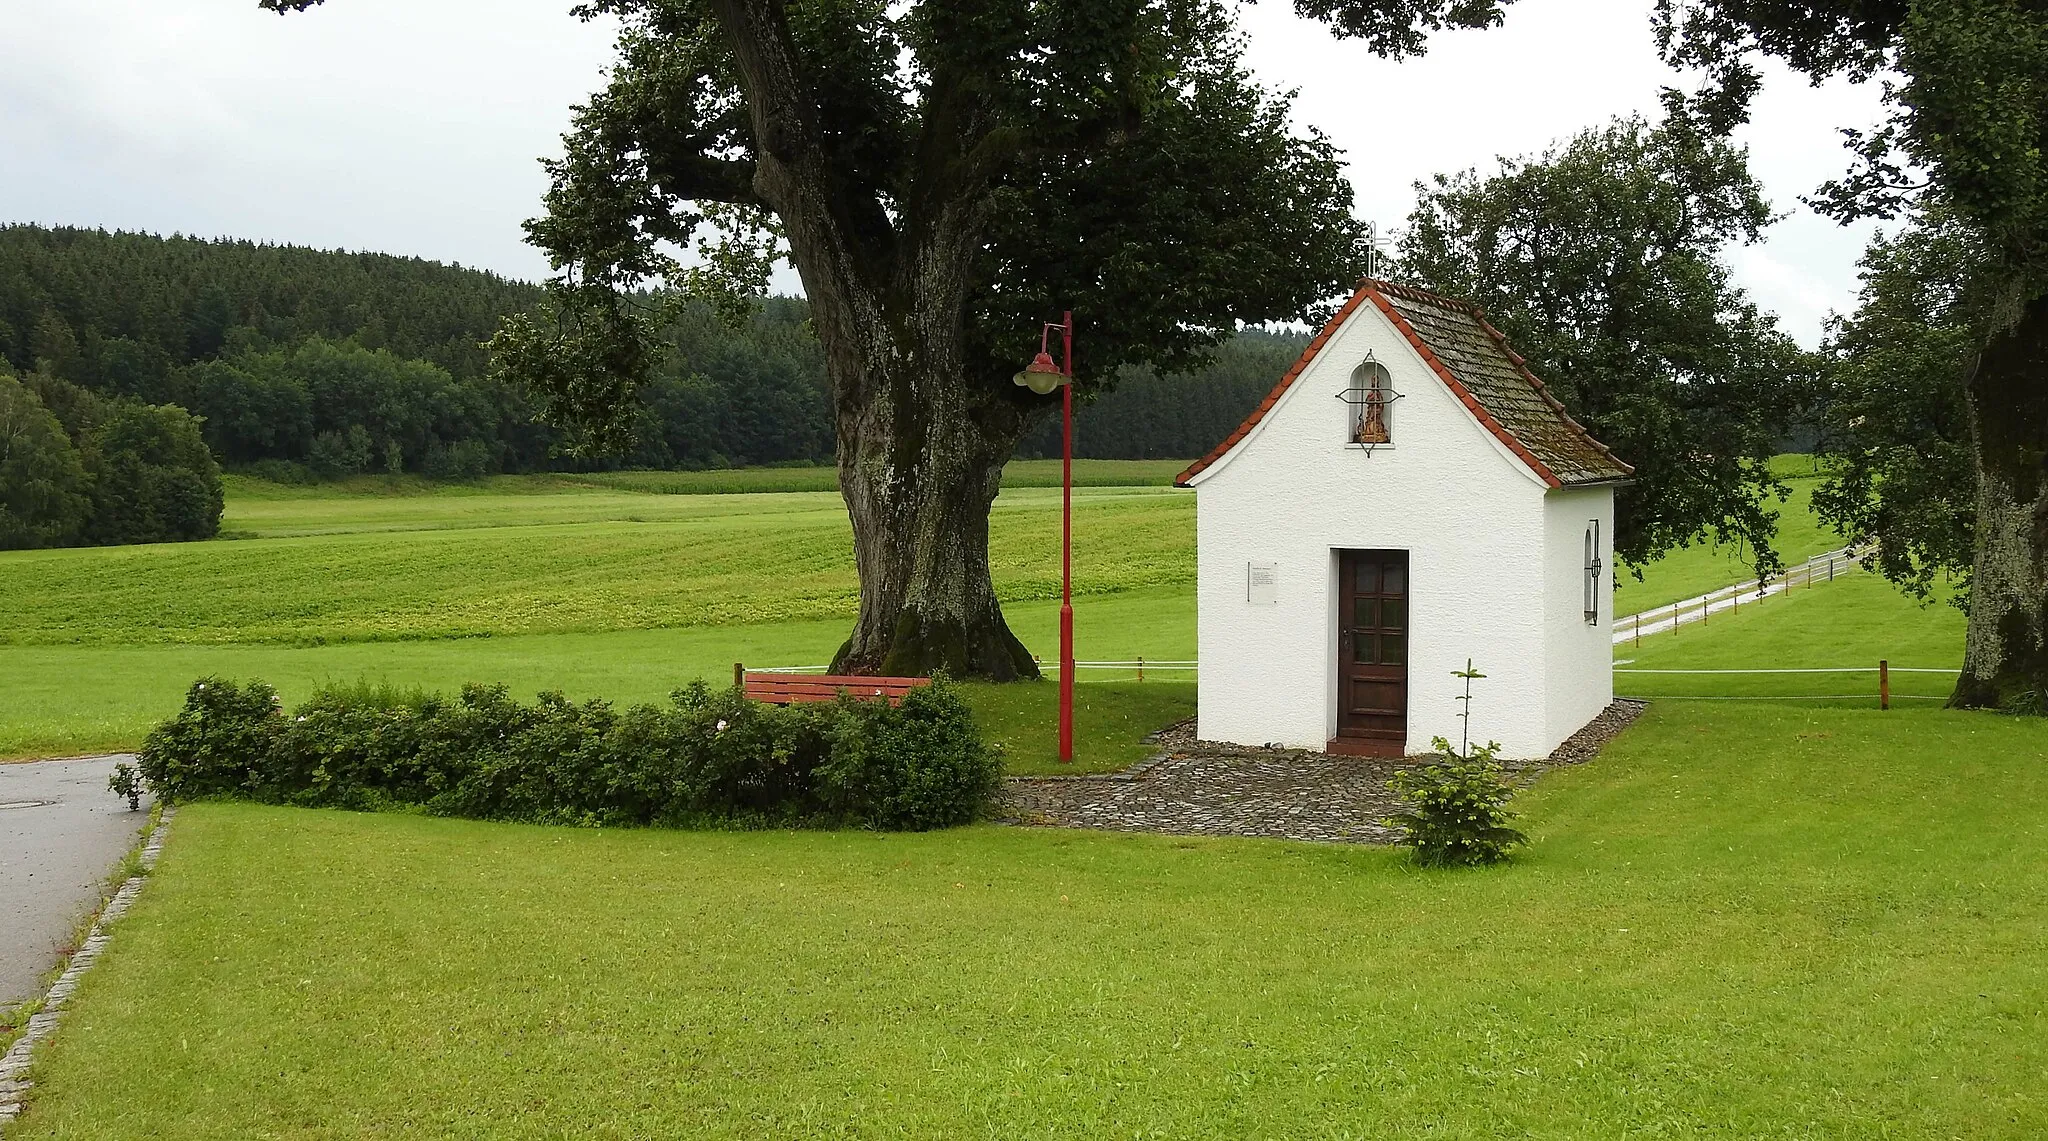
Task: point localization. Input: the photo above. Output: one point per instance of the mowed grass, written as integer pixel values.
(1689, 572)
(68, 700)
(1851, 623)
(710, 561)
(723, 481)
(1739, 922)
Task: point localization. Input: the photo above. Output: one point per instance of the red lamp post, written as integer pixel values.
(1041, 376)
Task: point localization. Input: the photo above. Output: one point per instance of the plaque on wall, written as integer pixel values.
(1262, 583)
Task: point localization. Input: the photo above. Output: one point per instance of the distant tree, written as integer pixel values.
(1966, 138)
(250, 413)
(53, 347)
(206, 326)
(946, 176)
(1903, 472)
(129, 368)
(184, 300)
(77, 408)
(1601, 261)
(154, 481)
(44, 495)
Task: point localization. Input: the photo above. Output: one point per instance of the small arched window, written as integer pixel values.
(1594, 565)
(1372, 404)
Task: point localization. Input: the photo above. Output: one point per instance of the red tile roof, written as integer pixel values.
(1474, 361)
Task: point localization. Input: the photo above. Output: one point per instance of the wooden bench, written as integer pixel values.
(788, 689)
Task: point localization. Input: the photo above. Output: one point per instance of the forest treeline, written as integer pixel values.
(303, 364)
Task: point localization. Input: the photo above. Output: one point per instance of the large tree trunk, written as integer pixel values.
(921, 443)
(2005, 659)
(919, 475)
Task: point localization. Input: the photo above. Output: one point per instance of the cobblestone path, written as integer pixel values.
(1203, 788)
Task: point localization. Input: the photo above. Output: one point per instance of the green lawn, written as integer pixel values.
(65, 700)
(1742, 921)
(1692, 571)
(1852, 622)
(691, 561)
(725, 481)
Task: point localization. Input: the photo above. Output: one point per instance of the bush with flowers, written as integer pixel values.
(705, 757)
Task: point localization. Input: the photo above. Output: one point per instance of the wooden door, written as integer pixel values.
(1372, 653)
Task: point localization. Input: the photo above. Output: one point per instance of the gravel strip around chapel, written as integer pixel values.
(1209, 789)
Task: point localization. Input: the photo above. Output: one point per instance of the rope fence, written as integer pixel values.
(1883, 669)
(1140, 665)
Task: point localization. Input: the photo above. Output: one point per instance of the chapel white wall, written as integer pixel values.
(1471, 517)
(1580, 656)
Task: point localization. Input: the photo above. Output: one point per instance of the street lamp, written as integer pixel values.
(1041, 377)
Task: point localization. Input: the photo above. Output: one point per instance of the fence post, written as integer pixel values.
(1884, 684)
(1674, 620)
(1141, 667)
(1639, 627)
(739, 676)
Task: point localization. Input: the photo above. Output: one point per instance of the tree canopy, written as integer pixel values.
(1902, 475)
(44, 493)
(945, 177)
(1965, 140)
(1601, 260)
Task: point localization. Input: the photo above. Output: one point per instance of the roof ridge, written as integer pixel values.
(1383, 295)
(1417, 293)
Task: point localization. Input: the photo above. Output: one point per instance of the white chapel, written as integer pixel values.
(1408, 497)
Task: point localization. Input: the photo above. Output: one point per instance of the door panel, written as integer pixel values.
(1372, 650)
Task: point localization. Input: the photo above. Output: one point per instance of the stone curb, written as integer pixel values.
(14, 1083)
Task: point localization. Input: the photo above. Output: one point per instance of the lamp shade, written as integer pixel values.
(1041, 375)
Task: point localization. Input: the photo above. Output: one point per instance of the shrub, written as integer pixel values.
(280, 471)
(333, 455)
(219, 744)
(461, 460)
(705, 756)
(123, 782)
(918, 765)
(1457, 808)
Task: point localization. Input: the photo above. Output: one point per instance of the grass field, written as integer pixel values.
(1742, 921)
(1689, 572)
(1850, 623)
(730, 481)
(599, 586)
(684, 561)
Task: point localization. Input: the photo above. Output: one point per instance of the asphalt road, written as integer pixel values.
(61, 832)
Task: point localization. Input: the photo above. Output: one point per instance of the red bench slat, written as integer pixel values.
(786, 689)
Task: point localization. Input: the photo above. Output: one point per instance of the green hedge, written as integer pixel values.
(707, 757)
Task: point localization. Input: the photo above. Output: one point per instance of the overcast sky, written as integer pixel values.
(413, 126)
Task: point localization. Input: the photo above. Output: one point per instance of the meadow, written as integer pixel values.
(1693, 570)
(622, 585)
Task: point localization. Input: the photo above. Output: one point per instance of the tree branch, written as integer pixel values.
(702, 178)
